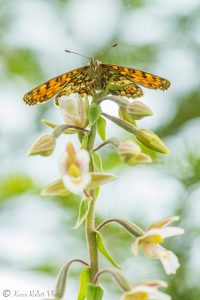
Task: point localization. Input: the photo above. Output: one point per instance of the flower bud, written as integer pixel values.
(74, 110)
(43, 146)
(129, 148)
(131, 153)
(138, 110)
(123, 114)
(151, 140)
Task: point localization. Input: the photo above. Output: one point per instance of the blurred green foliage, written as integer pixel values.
(15, 185)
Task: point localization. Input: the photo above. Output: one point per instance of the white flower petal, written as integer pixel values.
(164, 222)
(151, 250)
(62, 162)
(86, 178)
(142, 288)
(151, 292)
(135, 246)
(155, 283)
(151, 232)
(83, 160)
(169, 261)
(171, 231)
(145, 244)
(158, 296)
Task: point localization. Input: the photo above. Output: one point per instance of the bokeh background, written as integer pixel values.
(36, 235)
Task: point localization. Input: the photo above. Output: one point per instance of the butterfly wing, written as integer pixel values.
(137, 76)
(82, 83)
(127, 87)
(47, 90)
(132, 90)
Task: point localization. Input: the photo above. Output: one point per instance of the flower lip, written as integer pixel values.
(74, 168)
(169, 261)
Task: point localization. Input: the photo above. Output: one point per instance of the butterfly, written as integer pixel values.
(94, 77)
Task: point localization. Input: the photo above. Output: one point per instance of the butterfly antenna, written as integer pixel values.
(68, 51)
(105, 50)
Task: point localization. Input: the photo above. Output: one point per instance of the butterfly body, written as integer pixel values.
(94, 77)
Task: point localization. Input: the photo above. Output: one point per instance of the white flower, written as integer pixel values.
(150, 242)
(74, 169)
(147, 291)
(74, 109)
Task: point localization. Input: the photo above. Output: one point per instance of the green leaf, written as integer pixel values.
(83, 211)
(83, 283)
(103, 250)
(96, 192)
(84, 141)
(94, 292)
(101, 128)
(96, 159)
(107, 89)
(47, 123)
(114, 87)
(94, 113)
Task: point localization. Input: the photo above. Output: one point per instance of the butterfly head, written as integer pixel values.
(94, 64)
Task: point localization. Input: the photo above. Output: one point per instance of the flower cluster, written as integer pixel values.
(82, 174)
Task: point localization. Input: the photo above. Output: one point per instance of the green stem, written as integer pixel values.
(91, 137)
(91, 241)
(123, 124)
(119, 278)
(113, 141)
(132, 228)
(90, 223)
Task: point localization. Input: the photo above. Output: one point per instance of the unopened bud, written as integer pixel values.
(43, 146)
(123, 114)
(138, 110)
(131, 154)
(129, 148)
(151, 140)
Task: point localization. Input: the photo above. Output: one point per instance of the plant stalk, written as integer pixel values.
(90, 220)
(91, 241)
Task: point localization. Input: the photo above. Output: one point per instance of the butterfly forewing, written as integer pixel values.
(82, 84)
(47, 90)
(137, 76)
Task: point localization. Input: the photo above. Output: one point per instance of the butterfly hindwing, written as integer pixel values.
(126, 86)
(137, 76)
(47, 90)
(132, 90)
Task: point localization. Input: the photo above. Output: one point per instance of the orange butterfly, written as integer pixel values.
(94, 77)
